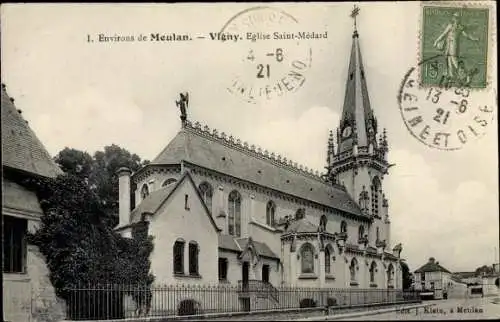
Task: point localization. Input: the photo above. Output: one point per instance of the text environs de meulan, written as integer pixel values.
(221, 36)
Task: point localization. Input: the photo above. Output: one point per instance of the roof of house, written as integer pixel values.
(153, 202)
(200, 147)
(301, 226)
(432, 266)
(21, 149)
(229, 242)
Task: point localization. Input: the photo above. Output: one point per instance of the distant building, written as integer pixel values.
(27, 292)
(435, 281)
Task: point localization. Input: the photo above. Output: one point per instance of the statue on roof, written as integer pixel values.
(183, 104)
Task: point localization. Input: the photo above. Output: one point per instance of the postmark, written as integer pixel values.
(446, 116)
(274, 55)
(458, 34)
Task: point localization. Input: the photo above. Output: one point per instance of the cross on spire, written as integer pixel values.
(354, 14)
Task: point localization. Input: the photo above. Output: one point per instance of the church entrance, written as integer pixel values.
(265, 273)
(244, 274)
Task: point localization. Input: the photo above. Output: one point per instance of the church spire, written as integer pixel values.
(358, 125)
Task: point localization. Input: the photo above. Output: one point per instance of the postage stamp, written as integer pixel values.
(278, 55)
(454, 43)
(446, 115)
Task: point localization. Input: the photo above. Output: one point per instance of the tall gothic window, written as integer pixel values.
(373, 270)
(361, 232)
(390, 275)
(179, 256)
(375, 187)
(234, 213)
(328, 259)
(270, 210)
(343, 227)
(193, 258)
(206, 192)
(144, 191)
(168, 182)
(352, 269)
(307, 258)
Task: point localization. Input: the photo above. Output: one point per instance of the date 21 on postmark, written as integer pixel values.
(454, 44)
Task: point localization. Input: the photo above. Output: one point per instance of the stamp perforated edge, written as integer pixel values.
(491, 37)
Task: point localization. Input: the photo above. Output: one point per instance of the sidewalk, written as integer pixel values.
(365, 313)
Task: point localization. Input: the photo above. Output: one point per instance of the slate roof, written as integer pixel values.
(302, 226)
(228, 242)
(432, 267)
(21, 149)
(213, 153)
(261, 248)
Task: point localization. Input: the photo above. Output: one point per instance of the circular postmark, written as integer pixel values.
(446, 116)
(272, 55)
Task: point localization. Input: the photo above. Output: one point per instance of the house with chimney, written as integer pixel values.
(28, 294)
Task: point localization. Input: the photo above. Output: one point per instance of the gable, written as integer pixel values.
(170, 201)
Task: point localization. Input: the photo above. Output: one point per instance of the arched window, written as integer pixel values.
(307, 258)
(179, 256)
(343, 227)
(361, 232)
(353, 268)
(169, 181)
(375, 188)
(322, 223)
(328, 259)
(234, 213)
(144, 191)
(373, 270)
(390, 275)
(301, 213)
(206, 192)
(270, 210)
(193, 258)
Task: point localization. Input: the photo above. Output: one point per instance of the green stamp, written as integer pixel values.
(454, 46)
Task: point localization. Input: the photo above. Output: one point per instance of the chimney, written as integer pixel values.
(124, 195)
(432, 260)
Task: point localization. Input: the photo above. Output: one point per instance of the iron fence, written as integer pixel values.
(125, 301)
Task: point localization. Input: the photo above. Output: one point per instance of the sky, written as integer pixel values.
(86, 95)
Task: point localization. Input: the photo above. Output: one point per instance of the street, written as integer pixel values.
(452, 309)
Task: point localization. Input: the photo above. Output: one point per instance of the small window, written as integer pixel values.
(270, 211)
(373, 270)
(14, 244)
(186, 202)
(144, 191)
(361, 232)
(390, 275)
(343, 227)
(193, 258)
(307, 258)
(168, 182)
(353, 267)
(328, 259)
(179, 256)
(223, 265)
(234, 213)
(378, 234)
(301, 213)
(206, 192)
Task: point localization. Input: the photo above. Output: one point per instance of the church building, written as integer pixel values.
(223, 211)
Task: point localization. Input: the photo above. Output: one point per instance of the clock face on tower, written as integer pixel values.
(347, 132)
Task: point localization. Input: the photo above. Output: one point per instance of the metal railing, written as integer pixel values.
(100, 302)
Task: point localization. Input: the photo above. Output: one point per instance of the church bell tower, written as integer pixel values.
(360, 160)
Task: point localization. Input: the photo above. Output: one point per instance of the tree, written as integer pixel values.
(99, 172)
(407, 277)
(80, 248)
